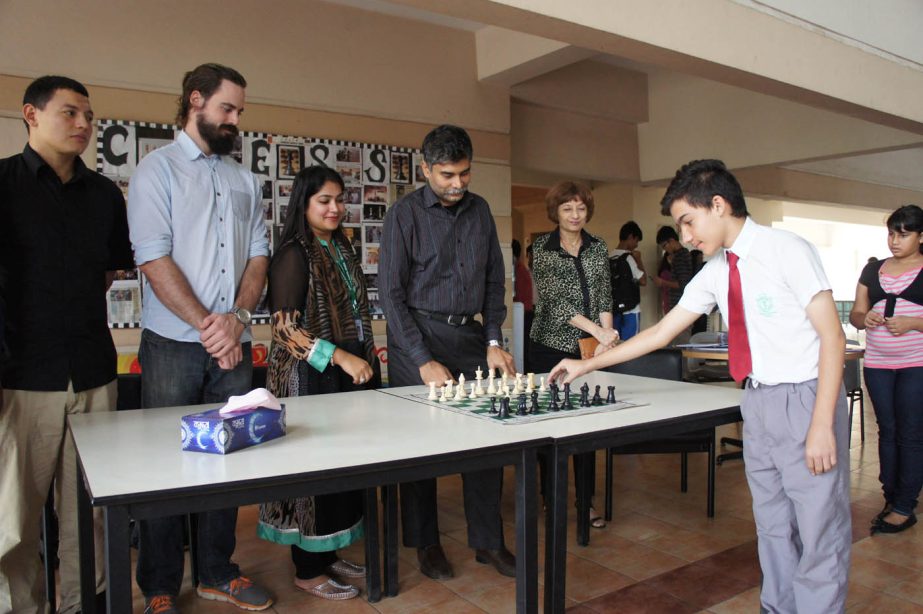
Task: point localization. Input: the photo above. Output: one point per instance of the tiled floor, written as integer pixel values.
(659, 554)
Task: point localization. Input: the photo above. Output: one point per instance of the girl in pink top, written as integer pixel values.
(889, 304)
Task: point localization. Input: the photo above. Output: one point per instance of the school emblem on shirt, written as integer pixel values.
(765, 306)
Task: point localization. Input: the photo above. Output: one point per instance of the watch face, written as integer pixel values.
(243, 315)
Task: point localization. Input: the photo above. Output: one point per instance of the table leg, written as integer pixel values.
(582, 494)
(86, 546)
(372, 546)
(118, 560)
(389, 504)
(556, 531)
(526, 535)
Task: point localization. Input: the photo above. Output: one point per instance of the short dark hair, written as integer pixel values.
(697, 182)
(665, 234)
(446, 144)
(517, 249)
(566, 191)
(908, 218)
(42, 90)
(205, 79)
(630, 229)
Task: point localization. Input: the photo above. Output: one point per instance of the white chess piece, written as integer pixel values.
(432, 391)
(530, 382)
(474, 392)
(517, 384)
(459, 392)
(461, 381)
(442, 397)
(490, 385)
(541, 386)
(478, 388)
(478, 373)
(448, 388)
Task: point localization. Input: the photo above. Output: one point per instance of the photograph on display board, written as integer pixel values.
(373, 213)
(400, 167)
(375, 194)
(352, 196)
(281, 211)
(268, 211)
(354, 236)
(372, 233)
(375, 305)
(353, 214)
(283, 188)
(370, 258)
(352, 175)
(399, 191)
(351, 155)
(290, 161)
(418, 176)
(267, 188)
(124, 303)
(371, 281)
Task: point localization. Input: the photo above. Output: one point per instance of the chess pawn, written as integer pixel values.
(541, 384)
(474, 393)
(432, 392)
(493, 405)
(442, 395)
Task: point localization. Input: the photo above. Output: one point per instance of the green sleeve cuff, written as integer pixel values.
(321, 354)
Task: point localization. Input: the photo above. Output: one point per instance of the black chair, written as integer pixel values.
(852, 381)
(665, 364)
(703, 370)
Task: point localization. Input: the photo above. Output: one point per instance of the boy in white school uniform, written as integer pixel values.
(787, 345)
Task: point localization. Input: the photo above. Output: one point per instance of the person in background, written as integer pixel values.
(522, 293)
(681, 269)
(574, 298)
(65, 234)
(628, 323)
(322, 343)
(889, 306)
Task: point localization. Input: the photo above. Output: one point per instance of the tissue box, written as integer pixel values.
(210, 431)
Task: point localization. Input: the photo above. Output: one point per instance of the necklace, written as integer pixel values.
(571, 246)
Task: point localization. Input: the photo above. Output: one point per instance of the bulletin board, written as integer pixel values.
(375, 176)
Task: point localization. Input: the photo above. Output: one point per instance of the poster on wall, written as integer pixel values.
(375, 176)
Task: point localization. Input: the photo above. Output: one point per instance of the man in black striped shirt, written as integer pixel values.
(440, 266)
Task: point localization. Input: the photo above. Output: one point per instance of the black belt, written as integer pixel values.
(449, 318)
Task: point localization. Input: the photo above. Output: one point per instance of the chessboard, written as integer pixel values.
(488, 407)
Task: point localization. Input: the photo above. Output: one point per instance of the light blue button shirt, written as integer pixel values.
(206, 213)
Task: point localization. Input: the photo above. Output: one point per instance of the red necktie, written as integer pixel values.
(738, 344)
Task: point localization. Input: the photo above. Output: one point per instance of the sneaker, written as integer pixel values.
(160, 604)
(239, 591)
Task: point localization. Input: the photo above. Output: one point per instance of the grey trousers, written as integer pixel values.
(803, 522)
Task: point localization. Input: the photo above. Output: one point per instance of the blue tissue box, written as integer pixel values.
(211, 432)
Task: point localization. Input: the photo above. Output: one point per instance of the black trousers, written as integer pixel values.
(461, 349)
(543, 359)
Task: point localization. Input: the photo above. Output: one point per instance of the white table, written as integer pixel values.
(131, 464)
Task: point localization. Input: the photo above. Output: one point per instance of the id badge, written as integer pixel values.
(359, 329)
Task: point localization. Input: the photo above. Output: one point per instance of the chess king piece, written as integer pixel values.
(432, 391)
(610, 398)
(478, 374)
(597, 400)
(568, 404)
(521, 408)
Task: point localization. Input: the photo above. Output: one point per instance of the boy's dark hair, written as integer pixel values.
(517, 249)
(697, 182)
(665, 234)
(42, 90)
(908, 218)
(630, 229)
(446, 144)
(205, 79)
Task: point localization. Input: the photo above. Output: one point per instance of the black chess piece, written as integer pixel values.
(534, 408)
(521, 408)
(585, 395)
(568, 404)
(553, 405)
(597, 400)
(610, 398)
(504, 407)
(493, 405)
(554, 392)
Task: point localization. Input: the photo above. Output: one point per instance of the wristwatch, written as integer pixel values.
(243, 315)
(493, 343)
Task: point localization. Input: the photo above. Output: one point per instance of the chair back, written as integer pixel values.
(666, 363)
(852, 380)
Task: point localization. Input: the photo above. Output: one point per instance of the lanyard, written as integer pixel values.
(340, 263)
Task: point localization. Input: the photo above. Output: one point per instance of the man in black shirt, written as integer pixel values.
(440, 266)
(64, 233)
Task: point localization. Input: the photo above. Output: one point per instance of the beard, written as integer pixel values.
(220, 138)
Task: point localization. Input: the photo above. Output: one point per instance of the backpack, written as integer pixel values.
(626, 295)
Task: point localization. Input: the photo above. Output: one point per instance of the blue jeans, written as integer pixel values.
(181, 373)
(626, 324)
(897, 395)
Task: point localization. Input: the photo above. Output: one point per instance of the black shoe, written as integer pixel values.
(886, 527)
(884, 512)
(502, 560)
(433, 563)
